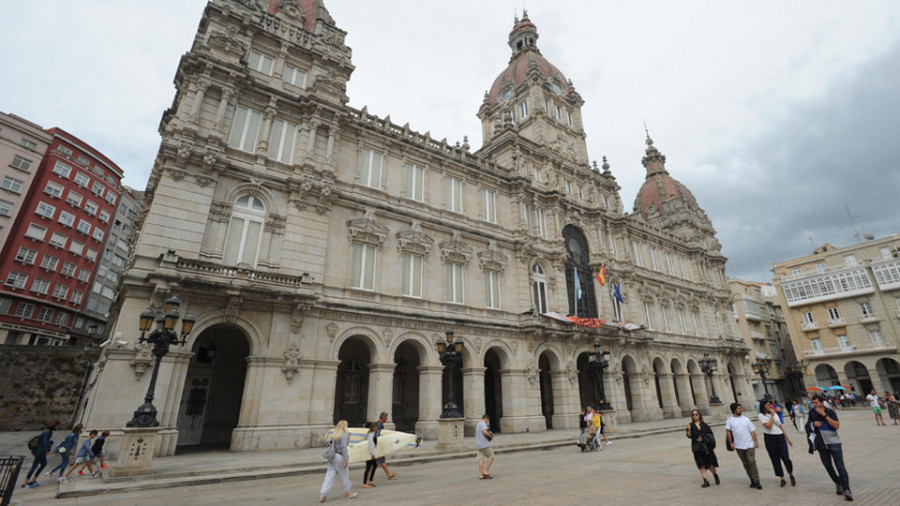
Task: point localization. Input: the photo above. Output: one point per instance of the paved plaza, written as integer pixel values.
(653, 468)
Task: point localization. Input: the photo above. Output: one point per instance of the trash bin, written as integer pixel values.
(9, 473)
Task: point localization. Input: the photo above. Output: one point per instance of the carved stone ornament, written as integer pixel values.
(572, 374)
(229, 41)
(143, 358)
(367, 229)
(293, 10)
(233, 308)
(492, 258)
(478, 344)
(315, 188)
(185, 148)
(414, 240)
(387, 336)
(292, 357)
(331, 331)
(297, 317)
(533, 374)
(455, 250)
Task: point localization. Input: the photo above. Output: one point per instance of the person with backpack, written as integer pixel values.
(338, 455)
(39, 446)
(65, 450)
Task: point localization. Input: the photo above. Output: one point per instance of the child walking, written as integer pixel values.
(84, 456)
(97, 449)
(371, 464)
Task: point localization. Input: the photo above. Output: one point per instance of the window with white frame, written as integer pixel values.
(527, 219)
(68, 269)
(5, 305)
(64, 150)
(681, 322)
(611, 245)
(84, 227)
(91, 254)
(865, 310)
(412, 275)
(281, 141)
(77, 247)
(84, 275)
(6, 208)
(60, 291)
(455, 282)
(245, 231)
(293, 75)
(104, 215)
(41, 286)
(636, 250)
(489, 201)
(568, 186)
(74, 199)
(97, 188)
(111, 197)
(414, 182)
(684, 268)
(877, 337)
(62, 170)
(808, 318)
(539, 288)
(648, 315)
(62, 319)
(569, 118)
(541, 223)
(24, 310)
(653, 258)
(29, 144)
(536, 173)
(843, 341)
(97, 234)
(21, 163)
(454, 195)
(833, 314)
(16, 279)
(558, 111)
(695, 321)
(492, 289)
(363, 272)
(669, 269)
(850, 260)
(36, 232)
(245, 129)
(26, 255)
(665, 318)
(76, 297)
(49, 263)
(523, 110)
(53, 189)
(66, 219)
(370, 168)
(82, 179)
(12, 184)
(91, 208)
(261, 63)
(820, 268)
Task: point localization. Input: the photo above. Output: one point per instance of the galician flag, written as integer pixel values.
(601, 276)
(577, 286)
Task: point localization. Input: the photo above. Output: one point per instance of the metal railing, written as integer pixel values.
(9, 473)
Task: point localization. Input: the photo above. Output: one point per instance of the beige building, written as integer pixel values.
(843, 313)
(761, 323)
(325, 250)
(22, 147)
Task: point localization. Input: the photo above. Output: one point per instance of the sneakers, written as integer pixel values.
(847, 495)
(95, 473)
(838, 489)
(62, 479)
(104, 466)
(608, 443)
(82, 473)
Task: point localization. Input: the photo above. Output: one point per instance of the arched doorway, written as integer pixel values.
(579, 280)
(733, 381)
(657, 371)
(889, 371)
(546, 389)
(213, 388)
(493, 391)
(677, 374)
(405, 407)
(629, 370)
(826, 376)
(352, 385)
(858, 376)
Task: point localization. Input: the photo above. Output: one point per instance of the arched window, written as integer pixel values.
(244, 231)
(539, 288)
(579, 282)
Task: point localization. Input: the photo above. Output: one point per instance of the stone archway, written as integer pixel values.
(213, 388)
(889, 372)
(352, 384)
(826, 376)
(858, 377)
(546, 385)
(629, 377)
(493, 388)
(405, 394)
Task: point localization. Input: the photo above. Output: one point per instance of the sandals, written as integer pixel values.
(392, 476)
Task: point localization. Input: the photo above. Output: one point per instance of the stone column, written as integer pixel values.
(429, 400)
(644, 407)
(202, 85)
(701, 394)
(262, 144)
(683, 386)
(518, 403)
(565, 401)
(472, 397)
(168, 416)
(251, 398)
(223, 107)
(667, 390)
(322, 391)
(381, 391)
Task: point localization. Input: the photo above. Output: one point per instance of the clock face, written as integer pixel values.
(508, 95)
(556, 89)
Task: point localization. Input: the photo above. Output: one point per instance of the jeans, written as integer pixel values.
(748, 459)
(62, 465)
(777, 448)
(836, 453)
(40, 461)
(369, 473)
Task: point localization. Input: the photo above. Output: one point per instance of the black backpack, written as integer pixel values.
(34, 443)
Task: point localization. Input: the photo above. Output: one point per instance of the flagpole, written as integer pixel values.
(575, 291)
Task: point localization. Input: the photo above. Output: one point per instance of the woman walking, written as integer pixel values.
(371, 464)
(703, 445)
(65, 451)
(338, 462)
(777, 442)
(40, 455)
(892, 405)
(797, 410)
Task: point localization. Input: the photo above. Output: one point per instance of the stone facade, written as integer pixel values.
(325, 250)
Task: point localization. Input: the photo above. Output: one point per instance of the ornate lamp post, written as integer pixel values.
(450, 352)
(597, 362)
(161, 338)
(761, 367)
(708, 366)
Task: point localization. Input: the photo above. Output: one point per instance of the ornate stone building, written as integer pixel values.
(326, 249)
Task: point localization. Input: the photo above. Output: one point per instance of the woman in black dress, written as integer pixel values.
(703, 444)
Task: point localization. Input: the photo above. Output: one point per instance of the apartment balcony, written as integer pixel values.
(753, 316)
(868, 318)
(837, 322)
(757, 335)
(851, 350)
(810, 326)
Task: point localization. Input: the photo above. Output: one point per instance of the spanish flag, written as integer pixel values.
(601, 276)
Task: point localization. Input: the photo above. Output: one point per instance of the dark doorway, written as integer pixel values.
(546, 389)
(352, 385)
(732, 379)
(213, 388)
(656, 381)
(405, 407)
(588, 384)
(493, 391)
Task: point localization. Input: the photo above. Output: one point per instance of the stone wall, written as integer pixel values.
(40, 383)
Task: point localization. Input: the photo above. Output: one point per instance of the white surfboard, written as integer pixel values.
(389, 442)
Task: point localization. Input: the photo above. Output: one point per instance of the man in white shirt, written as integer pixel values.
(741, 433)
(876, 407)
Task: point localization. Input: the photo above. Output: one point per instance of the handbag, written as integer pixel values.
(330, 451)
(728, 445)
(699, 447)
(710, 440)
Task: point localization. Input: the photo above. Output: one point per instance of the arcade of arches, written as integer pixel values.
(860, 374)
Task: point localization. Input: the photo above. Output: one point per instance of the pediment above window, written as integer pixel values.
(414, 240)
(455, 250)
(367, 229)
(492, 258)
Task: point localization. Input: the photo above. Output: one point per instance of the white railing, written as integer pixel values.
(810, 326)
(868, 318)
(836, 322)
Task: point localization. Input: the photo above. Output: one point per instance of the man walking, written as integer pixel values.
(876, 407)
(483, 438)
(381, 461)
(741, 433)
(823, 437)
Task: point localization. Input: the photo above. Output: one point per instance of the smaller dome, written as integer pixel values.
(661, 192)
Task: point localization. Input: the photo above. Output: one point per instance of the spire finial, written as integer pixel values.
(647, 131)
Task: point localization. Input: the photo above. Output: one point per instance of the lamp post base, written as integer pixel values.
(136, 453)
(450, 434)
(715, 400)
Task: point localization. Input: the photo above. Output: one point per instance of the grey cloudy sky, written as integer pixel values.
(740, 96)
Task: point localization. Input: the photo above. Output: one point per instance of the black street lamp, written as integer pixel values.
(597, 362)
(761, 367)
(708, 366)
(161, 338)
(797, 371)
(450, 352)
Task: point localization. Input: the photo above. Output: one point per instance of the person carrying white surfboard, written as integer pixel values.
(483, 438)
(338, 459)
(381, 460)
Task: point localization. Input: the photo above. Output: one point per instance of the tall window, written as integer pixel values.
(653, 259)
(834, 314)
(843, 341)
(808, 319)
(865, 310)
(684, 269)
(539, 288)
(455, 283)
(636, 250)
(261, 63)
(6, 208)
(245, 129)
(295, 76)
(490, 206)
(527, 219)
(695, 320)
(523, 110)
(648, 315)
(412, 275)
(611, 244)
(877, 337)
(281, 141)
(492, 289)
(363, 275)
(370, 168)
(681, 324)
(454, 195)
(244, 231)
(665, 316)
(414, 183)
(541, 223)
